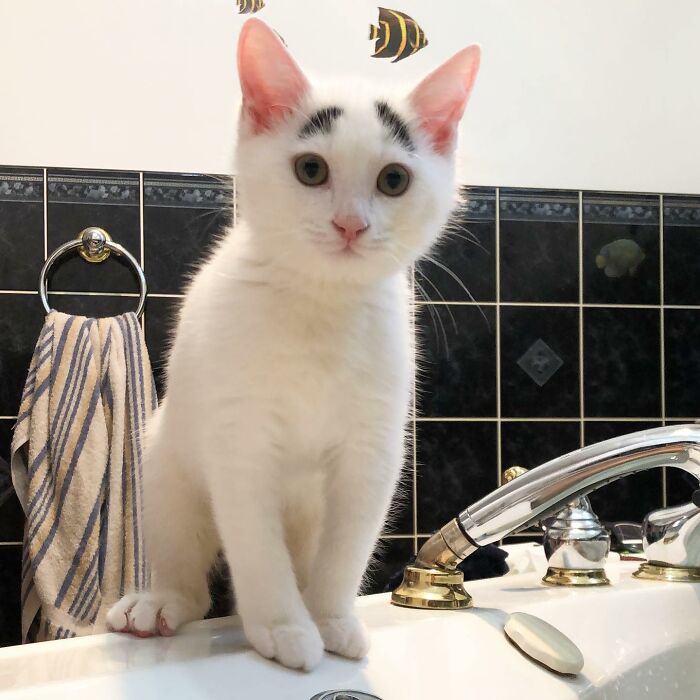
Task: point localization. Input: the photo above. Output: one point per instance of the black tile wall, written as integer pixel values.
(78, 199)
(10, 566)
(457, 375)
(632, 497)
(682, 349)
(456, 464)
(463, 265)
(498, 360)
(621, 249)
(539, 246)
(681, 250)
(182, 217)
(539, 361)
(21, 227)
(622, 362)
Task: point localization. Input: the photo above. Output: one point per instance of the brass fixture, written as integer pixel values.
(575, 577)
(435, 589)
(94, 248)
(671, 535)
(654, 571)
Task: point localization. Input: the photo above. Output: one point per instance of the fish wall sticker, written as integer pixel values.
(397, 35)
(246, 7)
(619, 258)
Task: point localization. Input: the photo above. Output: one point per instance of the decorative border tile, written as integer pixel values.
(538, 205)
(477, 204)
(21, 187)
(97, 189)
(682, 211)
(188, 191)
(614, 208)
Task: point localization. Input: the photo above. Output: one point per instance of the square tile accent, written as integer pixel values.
(621, 249)
(622, 362)
(528, 329)
(539, 246)
(540, 362)
(457, 374)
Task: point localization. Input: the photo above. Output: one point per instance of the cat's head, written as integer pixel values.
(341, 182)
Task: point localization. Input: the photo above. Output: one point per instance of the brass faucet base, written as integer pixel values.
(654, 571)
(434, 589)
(575, 577)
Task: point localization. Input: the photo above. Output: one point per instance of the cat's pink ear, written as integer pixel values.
(439, 100)
(271, 81)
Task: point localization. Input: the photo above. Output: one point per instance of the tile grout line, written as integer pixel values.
(141, 244)
(46, 215)
(497, 255)
(582, 404)
(662, 343)
(414, 449)
(550, 419)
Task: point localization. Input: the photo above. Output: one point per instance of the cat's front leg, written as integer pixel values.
(359, 489)
(244, 484)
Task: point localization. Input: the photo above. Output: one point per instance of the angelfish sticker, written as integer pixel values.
(396, 35)
(246, 7)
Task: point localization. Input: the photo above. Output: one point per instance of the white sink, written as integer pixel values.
(638, 638)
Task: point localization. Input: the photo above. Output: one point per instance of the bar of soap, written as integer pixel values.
(544, 643)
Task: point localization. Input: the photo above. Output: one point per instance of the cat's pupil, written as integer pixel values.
(311, 168)
(393, 179)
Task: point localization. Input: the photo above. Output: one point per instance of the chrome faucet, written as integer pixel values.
(671, 535)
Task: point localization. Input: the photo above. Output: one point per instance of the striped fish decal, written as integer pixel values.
(246, 7)
(397, 36)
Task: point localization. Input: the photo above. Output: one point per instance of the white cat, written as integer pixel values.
(282, 436)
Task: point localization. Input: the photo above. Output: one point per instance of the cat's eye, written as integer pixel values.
(311, 169)
(393, 180)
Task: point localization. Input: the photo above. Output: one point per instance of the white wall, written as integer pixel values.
(573, 93)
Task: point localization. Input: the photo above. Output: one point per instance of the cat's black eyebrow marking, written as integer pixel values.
(395, 124)
(321, 122)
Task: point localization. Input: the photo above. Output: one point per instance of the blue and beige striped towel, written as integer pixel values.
(76, 467)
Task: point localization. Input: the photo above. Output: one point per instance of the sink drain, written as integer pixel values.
(344, 695)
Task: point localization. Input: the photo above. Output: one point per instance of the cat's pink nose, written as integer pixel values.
(350, 227)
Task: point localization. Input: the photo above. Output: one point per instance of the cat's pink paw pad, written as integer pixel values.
(148, 614)
(345, 636)
(296, 645)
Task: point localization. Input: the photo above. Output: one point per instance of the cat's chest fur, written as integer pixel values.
(325, 365)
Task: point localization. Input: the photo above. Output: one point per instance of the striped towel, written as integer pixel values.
(76, 467)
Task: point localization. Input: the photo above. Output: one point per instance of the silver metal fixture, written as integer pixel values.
(671, 535)
(95, 245)
(576, 546)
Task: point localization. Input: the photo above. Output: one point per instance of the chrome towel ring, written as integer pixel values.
(95, 246)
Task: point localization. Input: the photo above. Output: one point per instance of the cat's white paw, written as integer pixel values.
(345, 636)
(295, 645)
(150, 614)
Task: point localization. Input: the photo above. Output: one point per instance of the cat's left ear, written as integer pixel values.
(271, 81)
(439, 100)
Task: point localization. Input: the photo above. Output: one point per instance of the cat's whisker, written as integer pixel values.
(437, 291)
